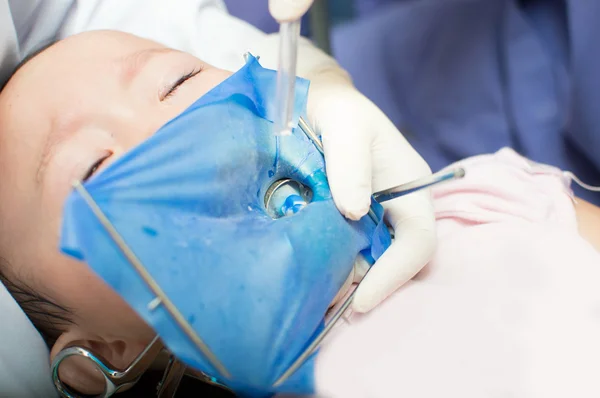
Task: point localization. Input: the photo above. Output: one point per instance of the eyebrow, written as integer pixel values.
(59, 130)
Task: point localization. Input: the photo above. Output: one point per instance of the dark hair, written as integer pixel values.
(48, 317)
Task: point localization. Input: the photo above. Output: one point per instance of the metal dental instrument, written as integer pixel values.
(156, 289)
(314, 137)
(421, 183)
(174, 373)
(289, 33)
(118, 380)
(397, 191)
(115, 380)
(380, 197)
(152, 284)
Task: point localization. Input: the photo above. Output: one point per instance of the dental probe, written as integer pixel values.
(416, 185)
(397, 191)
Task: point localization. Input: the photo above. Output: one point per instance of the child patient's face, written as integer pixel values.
(68, 112)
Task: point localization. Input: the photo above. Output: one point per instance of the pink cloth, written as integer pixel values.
(509, 306)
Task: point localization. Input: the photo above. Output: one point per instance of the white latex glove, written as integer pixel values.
(365, 153)
(288, 10)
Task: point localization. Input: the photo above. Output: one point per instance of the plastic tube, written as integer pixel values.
(286, 77)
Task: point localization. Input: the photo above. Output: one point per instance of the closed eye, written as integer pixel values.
(95, 168)
(179, 82)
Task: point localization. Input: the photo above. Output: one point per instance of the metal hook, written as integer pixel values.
(151, 283)
(114, 380)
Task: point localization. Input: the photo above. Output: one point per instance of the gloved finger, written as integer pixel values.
(347, 161)
(288, 10)
(413, 220)
(395, 161)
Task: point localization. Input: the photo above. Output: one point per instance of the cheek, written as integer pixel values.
(129, 133)
(72, 283)
(212, 78)
(97, 307)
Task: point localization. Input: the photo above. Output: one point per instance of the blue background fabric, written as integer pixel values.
(189, 201)
(466, 77)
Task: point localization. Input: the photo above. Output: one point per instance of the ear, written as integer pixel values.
(80, 373)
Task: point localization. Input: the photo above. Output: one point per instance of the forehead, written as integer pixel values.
(55, 88)
(85, 49)
(58, 78)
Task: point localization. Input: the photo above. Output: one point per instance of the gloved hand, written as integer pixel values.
(288, 10)
(365, 153)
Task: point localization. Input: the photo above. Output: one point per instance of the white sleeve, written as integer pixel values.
(24, 26)
(9, 53)
(203, 28)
